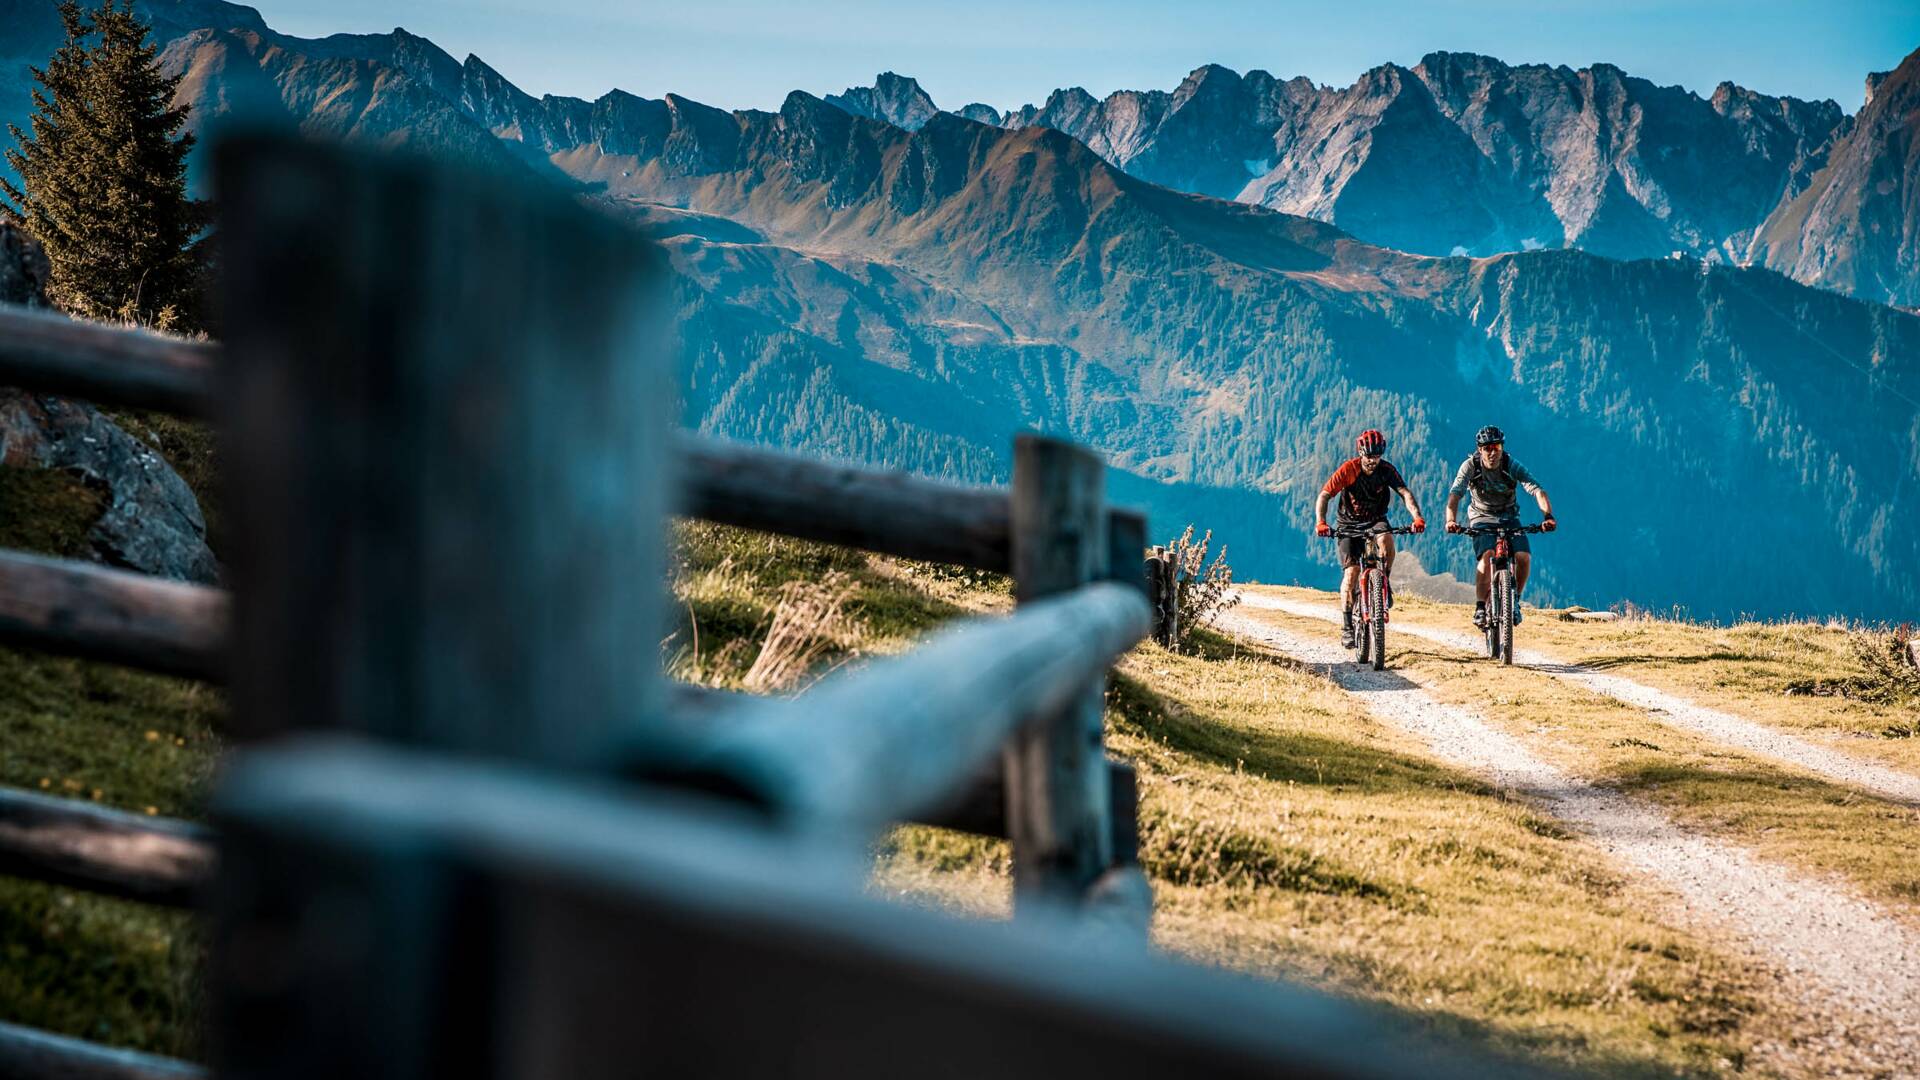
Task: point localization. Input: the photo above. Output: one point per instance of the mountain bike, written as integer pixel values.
(1370, 617)
(1503, 592)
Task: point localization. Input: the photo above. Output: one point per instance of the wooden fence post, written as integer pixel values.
(1163, 592)
(1126, 546)
(1057, 799)
(445, 459)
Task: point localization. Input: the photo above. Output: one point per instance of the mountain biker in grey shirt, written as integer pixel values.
(1495, 480)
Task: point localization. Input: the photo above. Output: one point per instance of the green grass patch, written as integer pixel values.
(47, 511)
(72, 962)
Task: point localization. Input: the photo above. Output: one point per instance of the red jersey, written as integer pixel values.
(1364, 497)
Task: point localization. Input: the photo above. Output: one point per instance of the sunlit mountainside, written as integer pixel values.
(1716, 437)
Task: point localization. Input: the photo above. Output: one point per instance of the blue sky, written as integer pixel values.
(749, 53)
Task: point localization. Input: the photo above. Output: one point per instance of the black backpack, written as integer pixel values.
(1476, 473)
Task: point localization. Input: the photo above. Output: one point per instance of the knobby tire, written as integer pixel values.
(1504, 625)
(1377, 617)
(1360, 636)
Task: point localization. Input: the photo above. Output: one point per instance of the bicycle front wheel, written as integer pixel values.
(1503, 626)
(1377, 617)
(1362, 636)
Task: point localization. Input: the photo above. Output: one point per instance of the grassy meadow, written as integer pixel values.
(1287, 833)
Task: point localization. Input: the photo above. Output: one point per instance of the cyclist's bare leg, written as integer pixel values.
(1480, 575)
(1522, 562)
(1386, 553)
(1349, 586)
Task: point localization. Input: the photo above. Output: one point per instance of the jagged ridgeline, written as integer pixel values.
(1714, 437)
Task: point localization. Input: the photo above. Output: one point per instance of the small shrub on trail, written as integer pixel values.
(1204, 589)
(1890, 676)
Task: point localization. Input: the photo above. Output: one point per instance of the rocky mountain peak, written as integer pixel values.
(1072, 99)
(1874, 79)
(981, 113)
(895, 99)
(1856, 225)
(177, 18)
(1208, 79)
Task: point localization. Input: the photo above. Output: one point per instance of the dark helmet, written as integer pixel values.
(1489, 435)
(1371, 442)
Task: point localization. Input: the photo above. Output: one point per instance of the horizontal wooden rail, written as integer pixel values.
(167, 861)
(639, 911)
(139, 369)
(901, 737)
(889, 512)
(892, 513)
(78, 844)
(28, 1054)
(86, 610)
(980, 806)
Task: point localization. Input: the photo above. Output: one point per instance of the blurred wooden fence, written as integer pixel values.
(466, 827)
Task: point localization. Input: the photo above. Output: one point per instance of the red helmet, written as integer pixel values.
(1371, 443)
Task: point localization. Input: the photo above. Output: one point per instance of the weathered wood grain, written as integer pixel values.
(1057, 798)
(889, 512)
(85, 846)
(900, 737)
(610, 931)
(84, 610)
(980, 804)
(107, 365)
(447, 395)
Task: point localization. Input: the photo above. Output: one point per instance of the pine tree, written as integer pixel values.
(103, 175)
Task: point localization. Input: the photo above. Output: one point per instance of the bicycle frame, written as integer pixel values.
(1370, 644)
(1503, 593)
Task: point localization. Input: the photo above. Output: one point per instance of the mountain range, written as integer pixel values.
(869, 277)
(1463, 154)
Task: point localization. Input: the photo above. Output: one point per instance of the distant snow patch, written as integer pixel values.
(1530, 244)
(1258, 168)
(1458, 251)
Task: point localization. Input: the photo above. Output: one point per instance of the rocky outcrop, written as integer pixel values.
(980, 113)
(151, 521)
(895, 99)
(1856, 226)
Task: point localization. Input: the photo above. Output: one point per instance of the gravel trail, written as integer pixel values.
(1670, 709)
(1854, 969)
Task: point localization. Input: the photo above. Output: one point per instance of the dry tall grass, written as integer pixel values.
(810, 618)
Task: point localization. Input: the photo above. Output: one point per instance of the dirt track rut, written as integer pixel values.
(1758, 739)
(1854, 969)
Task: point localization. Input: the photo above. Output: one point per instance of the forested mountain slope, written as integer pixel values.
(1698, 422)
(1714, 437)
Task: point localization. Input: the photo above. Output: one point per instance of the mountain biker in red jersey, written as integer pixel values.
(1365, 485)
(1494, 479)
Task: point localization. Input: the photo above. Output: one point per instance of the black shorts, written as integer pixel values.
(1484, 542)
(1354, 548)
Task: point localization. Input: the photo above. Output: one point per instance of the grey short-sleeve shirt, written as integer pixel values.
(1494, 493)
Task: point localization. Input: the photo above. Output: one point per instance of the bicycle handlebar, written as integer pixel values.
(1491, 530)
(1350, 533)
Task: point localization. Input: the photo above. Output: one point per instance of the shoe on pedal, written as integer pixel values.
(1516, 615)
(1480, 615)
